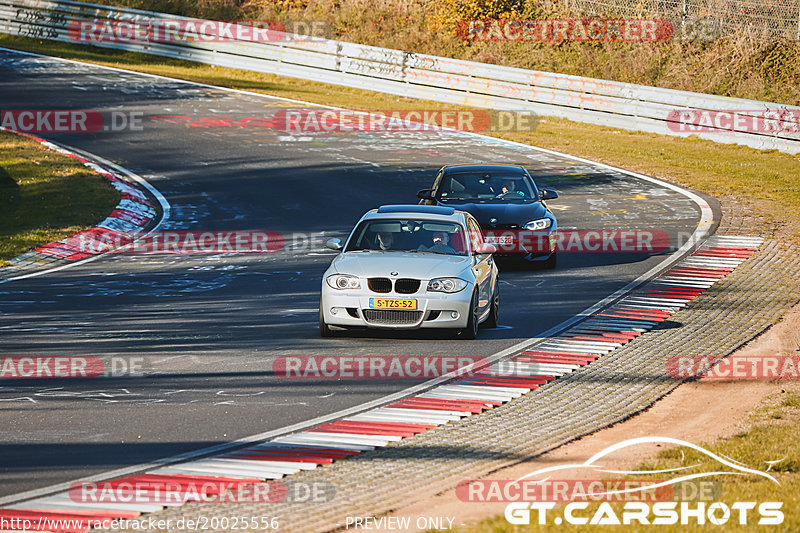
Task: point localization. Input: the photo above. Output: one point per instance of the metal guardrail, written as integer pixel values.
(608, 103)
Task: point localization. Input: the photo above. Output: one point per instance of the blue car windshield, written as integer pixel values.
(408, 235)
(482, 187)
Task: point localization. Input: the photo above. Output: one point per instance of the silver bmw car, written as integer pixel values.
(408, 267)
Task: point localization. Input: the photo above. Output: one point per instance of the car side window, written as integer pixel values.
(451, 186)
(534, 188)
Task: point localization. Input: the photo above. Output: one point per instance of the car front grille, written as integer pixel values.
(392, 318)
(501, 227)
(382, 285)
(401, 286)
(406, 286)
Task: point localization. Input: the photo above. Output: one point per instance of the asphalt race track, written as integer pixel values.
(208, 327)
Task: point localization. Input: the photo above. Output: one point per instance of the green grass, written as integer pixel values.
(772, 438)
(765, 180)
(45, 196)
(791, 399)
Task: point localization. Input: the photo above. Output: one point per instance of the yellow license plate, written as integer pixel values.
(392, 303)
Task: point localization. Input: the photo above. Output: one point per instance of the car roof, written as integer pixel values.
(432, 212)
(416, 208)
(485, 168)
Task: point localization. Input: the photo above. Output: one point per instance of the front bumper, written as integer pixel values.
(522, 244)
(434, 309)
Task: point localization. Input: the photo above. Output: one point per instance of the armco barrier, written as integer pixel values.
(594, 101)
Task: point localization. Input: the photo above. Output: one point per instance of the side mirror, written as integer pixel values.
(547, 194)
(425, 194)
(334, 244)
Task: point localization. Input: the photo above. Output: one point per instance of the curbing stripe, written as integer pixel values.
(129, 218)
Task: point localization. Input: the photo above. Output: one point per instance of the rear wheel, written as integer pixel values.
(471, 330)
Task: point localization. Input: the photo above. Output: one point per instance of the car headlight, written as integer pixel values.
(447, 285)
(343, 281)
(540, 224)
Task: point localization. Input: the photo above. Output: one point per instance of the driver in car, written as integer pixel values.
(440, 242)
(508, 188)
(385, 240)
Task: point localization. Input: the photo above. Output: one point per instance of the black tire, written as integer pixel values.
(471, 331)
(324, 329)
(494, 311)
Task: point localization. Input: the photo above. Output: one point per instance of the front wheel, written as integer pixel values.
(550, 262)
(324, 329)
(494, 312)
(471, 330)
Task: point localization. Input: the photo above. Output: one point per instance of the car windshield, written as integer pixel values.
(485, 187)
(408, 235)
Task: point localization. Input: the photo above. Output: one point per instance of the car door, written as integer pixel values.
(483, 268)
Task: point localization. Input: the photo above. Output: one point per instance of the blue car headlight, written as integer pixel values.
(539, 224)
